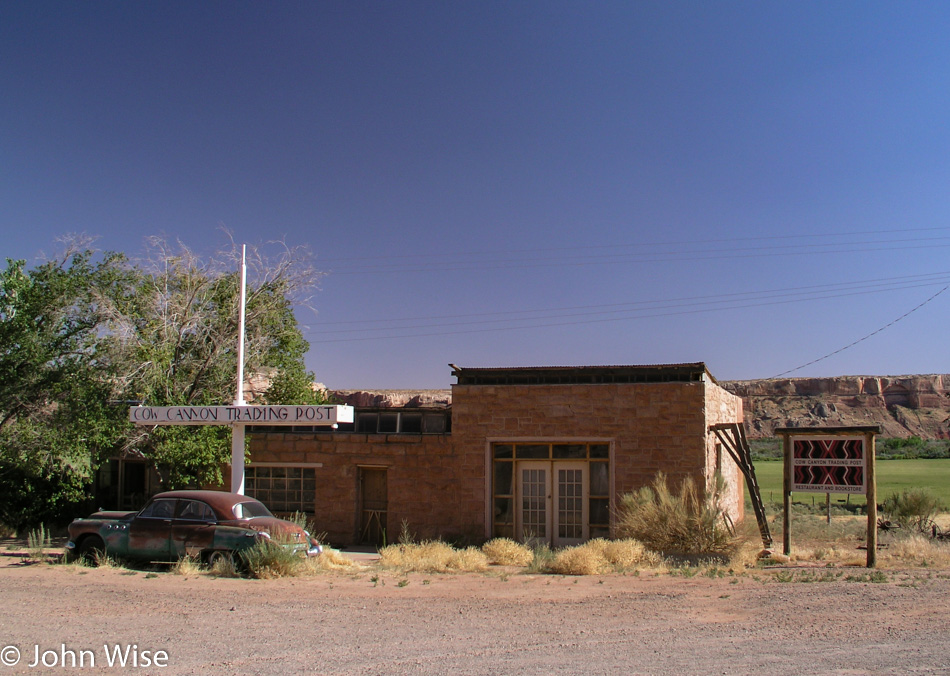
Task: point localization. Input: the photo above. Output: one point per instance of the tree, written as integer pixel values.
(54, 391)
(172, 340)
(82, 335)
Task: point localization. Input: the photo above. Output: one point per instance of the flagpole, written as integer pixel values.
(237, 429)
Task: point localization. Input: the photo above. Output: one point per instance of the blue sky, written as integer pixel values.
(753, 185)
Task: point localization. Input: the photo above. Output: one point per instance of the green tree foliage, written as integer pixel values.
(81, 336)
(54, 390)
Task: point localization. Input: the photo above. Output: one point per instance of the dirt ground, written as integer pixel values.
(501, 622)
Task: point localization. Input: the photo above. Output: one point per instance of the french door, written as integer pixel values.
(552, 502)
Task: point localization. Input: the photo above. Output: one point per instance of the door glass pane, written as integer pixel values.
(570, 514)
(599, 479)
(502, 478)
(600, 510)
(503, 512)
(599, 450)
(534, 516)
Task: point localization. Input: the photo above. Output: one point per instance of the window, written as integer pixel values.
(402, 422)
(283, 489)
(160, 509)
(193, 510)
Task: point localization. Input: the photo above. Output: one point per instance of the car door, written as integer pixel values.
(192, 529)
(150, 531)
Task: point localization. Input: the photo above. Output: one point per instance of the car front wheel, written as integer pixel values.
(91, 549)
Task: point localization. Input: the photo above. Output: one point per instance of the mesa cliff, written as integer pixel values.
(904, 406)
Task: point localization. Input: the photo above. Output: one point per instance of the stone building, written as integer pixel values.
(541, 453)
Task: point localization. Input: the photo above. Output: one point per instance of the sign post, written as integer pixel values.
(239, 414)
(830, 460)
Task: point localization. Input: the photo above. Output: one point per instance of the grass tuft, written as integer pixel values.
(507, 552)
(37, 542)
(432, 556)
(186, 565)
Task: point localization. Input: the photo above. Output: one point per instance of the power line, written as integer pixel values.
(536, 322)
(374, 260)
(860, 340)
(889, 283)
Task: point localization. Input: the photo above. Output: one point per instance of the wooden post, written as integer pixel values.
(787, 497)
(828, 508)
(872, 499)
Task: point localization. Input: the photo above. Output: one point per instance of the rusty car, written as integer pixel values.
(206, 525)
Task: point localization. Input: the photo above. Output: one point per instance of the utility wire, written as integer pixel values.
(641, 245)
(883, 283)
(736, 305)
(860, 340)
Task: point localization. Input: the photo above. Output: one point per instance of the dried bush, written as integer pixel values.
(687, 523)
(507, 552)
(581, 560)
(186, 566)
(330, 560)
(601, 556)
(267, 560)
(912, 508)
(432, 556)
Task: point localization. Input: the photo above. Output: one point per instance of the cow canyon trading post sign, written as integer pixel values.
(237, 417)
(831, 460)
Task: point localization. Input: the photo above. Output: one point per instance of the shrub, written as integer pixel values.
(507, 552)
(186, 566)
(685, 523)
(432, 556)
(600, 556)
(912, 508)
(581, 560)
(267, 560)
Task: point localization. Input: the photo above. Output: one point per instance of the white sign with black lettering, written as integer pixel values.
(247, 415)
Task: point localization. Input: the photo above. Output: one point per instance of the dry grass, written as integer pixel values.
(918, 550)
(433, 556)
(186, 566)
(507, 552)
(224, 568)
(330, 560)
(267, 560)
(600, 556)
(582, 560)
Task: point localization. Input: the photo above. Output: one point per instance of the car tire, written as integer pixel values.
(224, 558)
(91, 549)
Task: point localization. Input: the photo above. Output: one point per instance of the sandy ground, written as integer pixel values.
(502, 622)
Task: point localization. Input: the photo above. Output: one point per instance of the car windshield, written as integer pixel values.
(246, 510)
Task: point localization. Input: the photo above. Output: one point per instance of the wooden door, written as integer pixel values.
(373, 506)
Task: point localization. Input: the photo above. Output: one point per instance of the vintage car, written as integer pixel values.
(207, 525)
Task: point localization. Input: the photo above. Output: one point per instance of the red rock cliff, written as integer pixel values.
(903, 406)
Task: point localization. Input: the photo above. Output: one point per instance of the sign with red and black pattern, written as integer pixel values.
(829, 465)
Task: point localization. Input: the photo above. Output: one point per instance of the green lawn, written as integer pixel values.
(893, 476)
